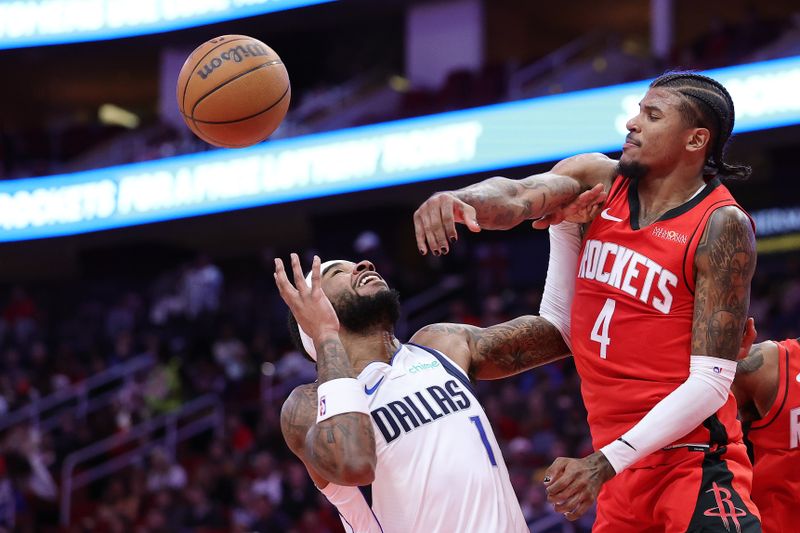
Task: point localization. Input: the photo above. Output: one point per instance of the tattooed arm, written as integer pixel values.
(502, 203)
(340, 449)
(497, 351)
(756, 383)
(724, 264)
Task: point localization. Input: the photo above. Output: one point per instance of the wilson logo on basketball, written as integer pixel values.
(235, 54)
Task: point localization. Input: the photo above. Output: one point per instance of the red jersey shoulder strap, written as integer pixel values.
(783, 389)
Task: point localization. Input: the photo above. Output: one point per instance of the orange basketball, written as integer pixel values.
(233, 91)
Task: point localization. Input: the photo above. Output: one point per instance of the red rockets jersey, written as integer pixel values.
(776, 447)
(632, 313)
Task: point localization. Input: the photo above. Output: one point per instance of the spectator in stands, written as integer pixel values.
(230, 353)
(20, 316)
(266, 479)
(202, 287)
(164, 473)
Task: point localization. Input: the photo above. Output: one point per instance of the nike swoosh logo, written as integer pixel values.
(373, 388)
(798, 378)
(604, 214)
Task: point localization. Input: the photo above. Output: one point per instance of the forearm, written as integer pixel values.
(502, 203)
(342, 449)
(679, 413)
(515, 346)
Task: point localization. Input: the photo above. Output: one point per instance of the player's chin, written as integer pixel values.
(372, 288)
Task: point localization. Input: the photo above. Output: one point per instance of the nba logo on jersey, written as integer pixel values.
(323, 406)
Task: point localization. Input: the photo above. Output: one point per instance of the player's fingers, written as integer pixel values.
(563, 485)
(579, 511)
(315, 275)
(562, 488)
(447, 211)
(284, 286)
(555, 469)
(587, 200)
(467, 214)
(554, 472)
(438, 224)
(596, 194)
(297, 271)
(568, 503)
(419, 232)
(542, 223)
(429, 222)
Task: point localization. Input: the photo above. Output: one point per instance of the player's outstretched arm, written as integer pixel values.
(497, 351)
(502, 203)
(339, 445)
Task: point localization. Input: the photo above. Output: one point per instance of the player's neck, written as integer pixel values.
(657, 195)
(365, 348)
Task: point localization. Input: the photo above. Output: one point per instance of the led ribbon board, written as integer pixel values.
(40, 22)
(392, 153)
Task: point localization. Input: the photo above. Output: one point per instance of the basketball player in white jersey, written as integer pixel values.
(393, 433)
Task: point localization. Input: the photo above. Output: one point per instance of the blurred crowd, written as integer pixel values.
(220, 328)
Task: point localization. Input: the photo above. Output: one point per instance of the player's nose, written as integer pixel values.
(633, 124)
(363, 265)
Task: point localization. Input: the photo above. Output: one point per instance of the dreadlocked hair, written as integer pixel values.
(707, 104)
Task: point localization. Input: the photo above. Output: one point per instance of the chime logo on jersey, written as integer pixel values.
(420, 408)
(794, 428)
(629, 271)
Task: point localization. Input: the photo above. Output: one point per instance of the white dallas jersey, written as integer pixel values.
(439, 466)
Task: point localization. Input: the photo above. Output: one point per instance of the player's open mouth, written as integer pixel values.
(366, 278)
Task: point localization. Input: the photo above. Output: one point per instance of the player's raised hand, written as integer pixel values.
(573, 484)
(309, 305)
(582, 209)
(435, 222)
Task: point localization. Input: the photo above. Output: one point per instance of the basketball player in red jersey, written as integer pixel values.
(662, 291)
(767, 389)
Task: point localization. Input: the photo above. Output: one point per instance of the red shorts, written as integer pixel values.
(688, 491)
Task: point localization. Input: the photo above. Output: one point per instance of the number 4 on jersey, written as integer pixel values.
(600, 328)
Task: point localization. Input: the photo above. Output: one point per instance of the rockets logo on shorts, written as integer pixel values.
(725, 508)
(323, 406)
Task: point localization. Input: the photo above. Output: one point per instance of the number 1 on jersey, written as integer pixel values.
(477, 421)
(600, 328)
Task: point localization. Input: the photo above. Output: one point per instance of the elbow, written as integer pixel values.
(357, 471)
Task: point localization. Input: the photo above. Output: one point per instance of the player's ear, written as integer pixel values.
(698, 139)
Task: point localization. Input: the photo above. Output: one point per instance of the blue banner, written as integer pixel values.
(42, 22)
(381, 155)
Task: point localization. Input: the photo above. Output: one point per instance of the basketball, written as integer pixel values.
(233, 91)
